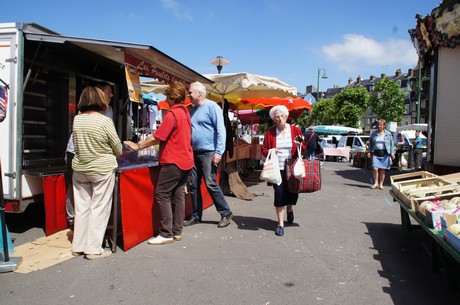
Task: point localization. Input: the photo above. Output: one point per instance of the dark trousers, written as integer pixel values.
(170, 197)
(418, 158)
(69, 203)
(204, 168)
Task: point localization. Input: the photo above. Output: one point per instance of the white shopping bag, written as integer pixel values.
(271, 170)
(299, 166)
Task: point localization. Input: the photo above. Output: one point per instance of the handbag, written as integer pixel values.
(271, 170)
(379, 152)
(310, 183)
(319, 149)
(299, 167)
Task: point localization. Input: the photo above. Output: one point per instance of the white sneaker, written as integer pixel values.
(160, 240)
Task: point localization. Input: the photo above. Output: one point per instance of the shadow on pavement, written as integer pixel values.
(364, 176)
(257, 223)
(407, 266)
(32, 217)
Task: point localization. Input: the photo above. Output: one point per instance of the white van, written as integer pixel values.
(327, 141)
(356, 143)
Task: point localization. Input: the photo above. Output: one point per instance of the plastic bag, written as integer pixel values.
(299, 166)
(271, 170)
(299, 169)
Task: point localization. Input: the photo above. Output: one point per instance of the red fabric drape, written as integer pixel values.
(54, 192)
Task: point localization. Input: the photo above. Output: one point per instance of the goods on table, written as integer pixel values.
(430, 209)
(454, 229)
(424, 187)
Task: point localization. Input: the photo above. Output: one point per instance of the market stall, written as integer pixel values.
(45, 80)
(339, 152)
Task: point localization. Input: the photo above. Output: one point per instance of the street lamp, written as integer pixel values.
(317, 84)
(419, 80)
(219, 61)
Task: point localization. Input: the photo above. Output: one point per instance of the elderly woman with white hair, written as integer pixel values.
(284, 138)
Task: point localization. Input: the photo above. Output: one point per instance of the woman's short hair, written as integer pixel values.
(176, 92)
(92, 99)
(199, 87)
(280, 108)
(382, 122)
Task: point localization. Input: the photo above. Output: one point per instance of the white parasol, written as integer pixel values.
(236, 86)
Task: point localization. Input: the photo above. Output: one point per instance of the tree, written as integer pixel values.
(322, 113)
(350, 105)
(388, 101)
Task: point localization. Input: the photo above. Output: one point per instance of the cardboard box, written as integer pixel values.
(433, 218)
(453, 240)
(447, 220)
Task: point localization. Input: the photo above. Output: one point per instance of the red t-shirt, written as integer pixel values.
(174, 134)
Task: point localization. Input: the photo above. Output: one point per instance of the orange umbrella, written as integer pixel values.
(164, 104)
(291, 103)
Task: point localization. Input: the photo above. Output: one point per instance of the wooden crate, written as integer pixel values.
(454, 178)
(396, 179)
(430, 192)
(405, 189)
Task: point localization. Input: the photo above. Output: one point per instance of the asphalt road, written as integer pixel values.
(345, 247)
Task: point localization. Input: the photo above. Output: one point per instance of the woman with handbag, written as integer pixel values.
(284, 138)
(381, 149)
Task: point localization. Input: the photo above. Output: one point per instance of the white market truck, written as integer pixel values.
(45, 73)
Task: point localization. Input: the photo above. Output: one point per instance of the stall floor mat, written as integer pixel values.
(44, 252)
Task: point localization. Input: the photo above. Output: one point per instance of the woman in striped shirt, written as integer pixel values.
(96, 147)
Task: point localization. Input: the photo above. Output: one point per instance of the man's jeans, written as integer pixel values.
(204, 168)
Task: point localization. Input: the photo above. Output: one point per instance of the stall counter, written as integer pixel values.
(134, 199)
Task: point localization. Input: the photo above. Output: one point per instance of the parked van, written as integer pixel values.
(356, 143)
(327, 141)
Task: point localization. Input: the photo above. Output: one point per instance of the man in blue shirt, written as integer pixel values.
(208, 144)
(417, 150)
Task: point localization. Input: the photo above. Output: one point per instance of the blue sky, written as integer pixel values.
(286, 39)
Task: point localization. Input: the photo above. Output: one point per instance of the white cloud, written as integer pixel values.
(357, 51)
(179, 10)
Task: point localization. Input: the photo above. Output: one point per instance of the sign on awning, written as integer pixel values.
(134, 84)
(147, 69)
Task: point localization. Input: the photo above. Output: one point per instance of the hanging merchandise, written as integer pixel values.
(134, 84)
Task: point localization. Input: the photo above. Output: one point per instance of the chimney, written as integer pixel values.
(398, 73)
(410, 72)
(358, 79)
(383, 75)
(372, 77)
(350, 80)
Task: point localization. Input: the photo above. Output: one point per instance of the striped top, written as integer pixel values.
(284, 145)
(96, 144)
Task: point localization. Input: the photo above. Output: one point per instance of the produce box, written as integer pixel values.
(433, 217)
(425, 192)
(410, 176)
(453, 239)
(404, 189)
(447, 220)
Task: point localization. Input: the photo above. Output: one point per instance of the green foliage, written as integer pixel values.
(322, 113)
(350, 104)
(263, 127)
(388, 101)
